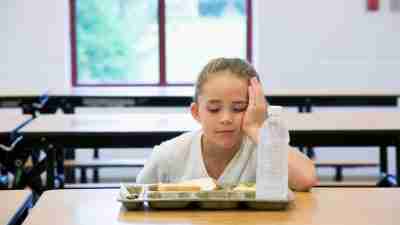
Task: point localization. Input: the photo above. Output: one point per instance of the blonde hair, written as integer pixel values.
(238, 67)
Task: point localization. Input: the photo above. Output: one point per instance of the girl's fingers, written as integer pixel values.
(258, 92)
(251, 96)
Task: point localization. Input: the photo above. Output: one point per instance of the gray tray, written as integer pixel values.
(137, 197)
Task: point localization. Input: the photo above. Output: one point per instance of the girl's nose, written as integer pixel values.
(226, 118)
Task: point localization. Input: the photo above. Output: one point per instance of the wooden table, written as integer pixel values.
(55, 133)
(114, 130)
(146, 130)
(320, 206)
(178, 96)
(14, 205)
(13, 98)
(29, 100)
(304, 99)
(380, 129)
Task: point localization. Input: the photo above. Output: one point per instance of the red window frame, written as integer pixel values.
(162, 50)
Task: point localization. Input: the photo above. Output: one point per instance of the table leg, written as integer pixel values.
(308, 105)
(51, 158)
(383, 159)
(310, 150)
(96, 170)
(60, 166)
(69, 173)
(398, 163)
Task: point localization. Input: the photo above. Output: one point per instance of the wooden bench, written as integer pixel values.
(339, 165)
(83, 165)
(347, 184)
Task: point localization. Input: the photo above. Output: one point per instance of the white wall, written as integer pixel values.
(34, 44)
(298, 44)
(327, 44)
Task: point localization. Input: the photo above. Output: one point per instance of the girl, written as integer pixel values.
(229, 104)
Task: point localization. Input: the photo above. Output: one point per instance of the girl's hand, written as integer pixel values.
(256, 112)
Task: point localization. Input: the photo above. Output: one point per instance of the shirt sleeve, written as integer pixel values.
(155, 169)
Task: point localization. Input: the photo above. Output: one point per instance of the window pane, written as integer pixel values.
(198, 30)
(117, 41)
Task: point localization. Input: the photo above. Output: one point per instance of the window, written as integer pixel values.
(154, 42)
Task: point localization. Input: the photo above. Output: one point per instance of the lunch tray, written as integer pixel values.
(137, 197)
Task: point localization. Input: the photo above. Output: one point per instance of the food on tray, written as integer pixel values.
(245, 186)
(201, 184)
(174, 187)
(130, 192)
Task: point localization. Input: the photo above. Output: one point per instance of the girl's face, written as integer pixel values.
(220, 110)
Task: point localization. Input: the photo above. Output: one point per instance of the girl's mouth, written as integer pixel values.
(225, 131)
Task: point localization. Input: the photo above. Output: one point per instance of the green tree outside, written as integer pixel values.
(109, 38)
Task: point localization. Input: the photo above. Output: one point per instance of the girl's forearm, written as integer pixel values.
(302, 173)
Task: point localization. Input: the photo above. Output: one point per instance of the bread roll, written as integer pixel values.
(201, 184)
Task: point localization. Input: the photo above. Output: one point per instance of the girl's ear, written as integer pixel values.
(194, 109)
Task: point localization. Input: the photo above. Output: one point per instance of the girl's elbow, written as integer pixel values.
(309, 182)
(306, 183)
(310, 179)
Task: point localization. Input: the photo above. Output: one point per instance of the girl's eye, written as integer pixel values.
(213, 110)
(240, 108)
